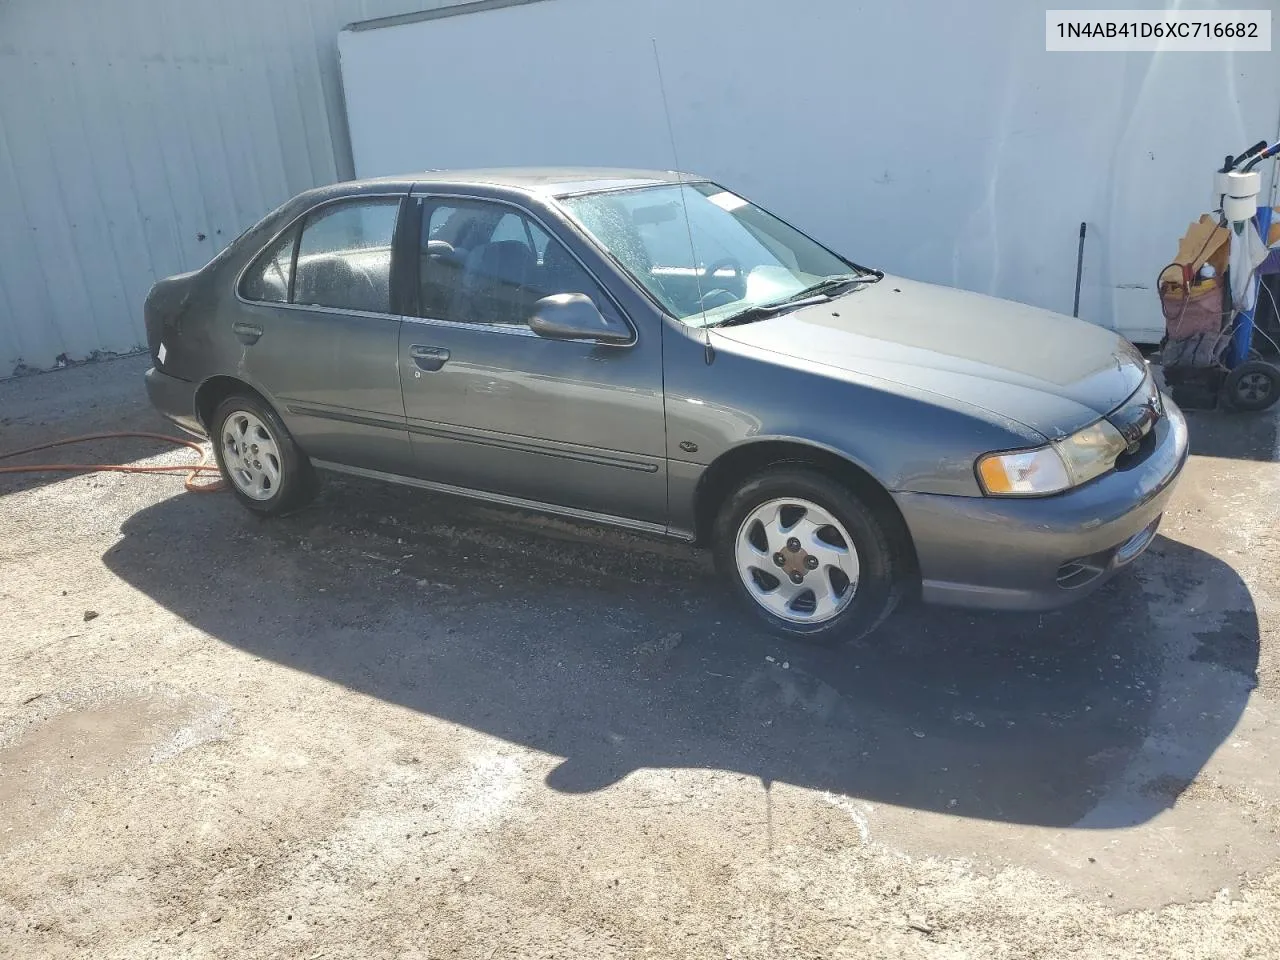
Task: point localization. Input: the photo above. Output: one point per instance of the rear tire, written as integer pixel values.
(258, 458)
(809, 556)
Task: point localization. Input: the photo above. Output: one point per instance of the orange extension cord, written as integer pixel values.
(192, 472)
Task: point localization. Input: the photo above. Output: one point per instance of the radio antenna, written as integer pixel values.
(708, 351)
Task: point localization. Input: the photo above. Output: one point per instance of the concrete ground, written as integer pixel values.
(396, 725)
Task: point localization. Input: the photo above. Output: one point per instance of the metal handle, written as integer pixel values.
(1234, 162)
(246, 333)
(1263, 154)
(429, 358)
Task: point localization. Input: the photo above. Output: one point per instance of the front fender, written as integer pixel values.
(908, 440)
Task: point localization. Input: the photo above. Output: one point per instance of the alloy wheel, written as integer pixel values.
(251, 455)
(797, 561)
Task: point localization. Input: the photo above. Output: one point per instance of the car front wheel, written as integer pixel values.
(259, 460)
(808, 555)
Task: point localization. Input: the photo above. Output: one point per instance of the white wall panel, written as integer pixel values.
(129, 129)
(934, 139)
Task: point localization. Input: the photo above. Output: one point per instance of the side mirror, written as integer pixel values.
(574, 316)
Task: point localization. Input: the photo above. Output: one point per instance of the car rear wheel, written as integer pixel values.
(809, 556)
(260, 462)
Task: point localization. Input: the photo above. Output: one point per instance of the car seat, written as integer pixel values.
(495, 284)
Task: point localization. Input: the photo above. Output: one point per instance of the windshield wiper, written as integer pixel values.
(830, 285)
(820, 292)
(767, 310)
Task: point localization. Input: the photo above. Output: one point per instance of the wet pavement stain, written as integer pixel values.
(48, 766)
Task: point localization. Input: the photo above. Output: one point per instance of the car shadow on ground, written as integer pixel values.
(619, 653)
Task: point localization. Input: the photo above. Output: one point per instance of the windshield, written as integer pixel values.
(726, 257)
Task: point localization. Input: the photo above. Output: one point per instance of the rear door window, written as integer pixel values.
(344, 256)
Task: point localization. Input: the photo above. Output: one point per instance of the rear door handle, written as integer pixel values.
(427, 358)
(246, 333)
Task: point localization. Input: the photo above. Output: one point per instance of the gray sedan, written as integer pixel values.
(656, 352)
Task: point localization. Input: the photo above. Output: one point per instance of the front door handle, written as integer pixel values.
(429, 359)
(246, 333)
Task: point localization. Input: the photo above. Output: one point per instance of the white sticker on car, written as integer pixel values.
(727, 201)
(160, 354)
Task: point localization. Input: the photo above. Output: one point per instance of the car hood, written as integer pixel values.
(1050, 372)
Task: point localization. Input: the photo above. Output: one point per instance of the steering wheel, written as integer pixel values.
(711, 287)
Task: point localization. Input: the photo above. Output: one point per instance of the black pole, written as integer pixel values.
(1075, 311)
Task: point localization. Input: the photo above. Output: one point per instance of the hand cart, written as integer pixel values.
(1208, 351)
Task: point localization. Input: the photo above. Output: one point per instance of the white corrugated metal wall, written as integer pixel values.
(139, 137)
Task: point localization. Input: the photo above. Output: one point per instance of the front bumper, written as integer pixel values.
(1042, 553)
(175, 400)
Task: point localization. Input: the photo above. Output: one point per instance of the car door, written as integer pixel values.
(492, 406)
(321, 332)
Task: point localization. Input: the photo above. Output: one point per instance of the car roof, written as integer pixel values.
(551, 181)
(531, 181)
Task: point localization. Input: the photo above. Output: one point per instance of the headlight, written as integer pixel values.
(1091, 452)
(1067, 463)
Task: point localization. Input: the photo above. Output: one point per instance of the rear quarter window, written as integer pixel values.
(269, 276)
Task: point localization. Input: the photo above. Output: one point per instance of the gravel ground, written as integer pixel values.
(396, 725)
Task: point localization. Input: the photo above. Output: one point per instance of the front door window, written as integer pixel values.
(486, 263)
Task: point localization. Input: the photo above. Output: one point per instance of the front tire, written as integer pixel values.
(258, 458)
(809, 556)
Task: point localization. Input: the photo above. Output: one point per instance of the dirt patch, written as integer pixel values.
(48, 764)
